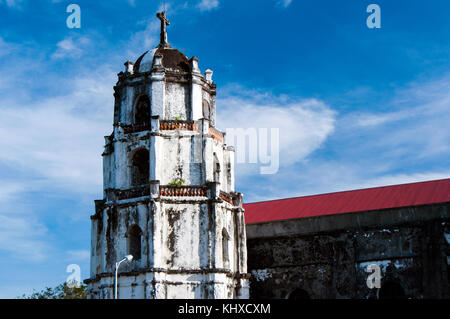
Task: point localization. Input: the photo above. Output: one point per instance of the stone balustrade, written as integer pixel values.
(170, 125)
(183, 191)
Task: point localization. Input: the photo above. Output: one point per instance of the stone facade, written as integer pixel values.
(327, 256)
(169, 197)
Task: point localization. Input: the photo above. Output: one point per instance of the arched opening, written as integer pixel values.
(228, 176)
(225, 248)
(134, 234)
(142, 111)
(206, 110)
(140, 168)
(391, 290)
(216, 168)
(299, 294)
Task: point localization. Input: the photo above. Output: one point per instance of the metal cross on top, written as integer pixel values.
(163, 38)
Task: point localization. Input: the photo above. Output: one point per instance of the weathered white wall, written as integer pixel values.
(177, 101)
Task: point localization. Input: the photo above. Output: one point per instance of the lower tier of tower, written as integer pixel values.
(163, 285)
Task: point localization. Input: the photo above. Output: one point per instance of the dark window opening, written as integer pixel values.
(299, 294)
(134, 234)
(142, 112)
(140, 168)
(225, 249)
(217, 173)
(229, 175)
(391, 290)
(216, 168)
(206, 110)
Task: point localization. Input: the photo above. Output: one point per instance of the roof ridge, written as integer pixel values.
(348, 191)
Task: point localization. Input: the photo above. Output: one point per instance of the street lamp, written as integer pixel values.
(126, 258)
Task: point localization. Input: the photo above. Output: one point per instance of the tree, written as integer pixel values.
(63, 291)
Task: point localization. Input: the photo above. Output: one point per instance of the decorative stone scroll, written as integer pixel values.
(218, 136)
(226, 197)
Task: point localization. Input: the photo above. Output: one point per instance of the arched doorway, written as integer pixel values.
(142, 111)
(391, 290)
(134, 234)
(140, 168)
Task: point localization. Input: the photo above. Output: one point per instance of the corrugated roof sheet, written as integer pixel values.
(377, 198)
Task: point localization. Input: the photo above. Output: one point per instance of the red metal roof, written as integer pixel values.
(377, 198)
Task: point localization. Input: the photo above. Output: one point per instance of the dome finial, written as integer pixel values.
(163, 38)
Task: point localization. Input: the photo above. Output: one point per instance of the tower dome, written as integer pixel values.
(172, 60)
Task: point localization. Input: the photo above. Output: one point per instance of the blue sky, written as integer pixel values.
(356, 107)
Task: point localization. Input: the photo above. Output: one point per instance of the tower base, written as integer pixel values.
(170, 285)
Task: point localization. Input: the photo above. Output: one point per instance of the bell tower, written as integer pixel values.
(169, 197)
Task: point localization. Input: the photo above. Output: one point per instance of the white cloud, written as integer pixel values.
(17, 3)
(372, 119)
(145, 39)
(403, 179)
(5, 48)
(78, 255)
(148, 38)
(321, 176)
(409, 143)
(11, 3)
(164, 7)
(21, 236)
(60, 139)
(304, 124)
(284, 3)
(207, 5)
(10, 189)
(52, 145)
(70, 48)
(414, 127)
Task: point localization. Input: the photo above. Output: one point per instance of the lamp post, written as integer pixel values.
(126, 258)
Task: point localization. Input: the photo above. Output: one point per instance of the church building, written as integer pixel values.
(170, 202)
(330, 246)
